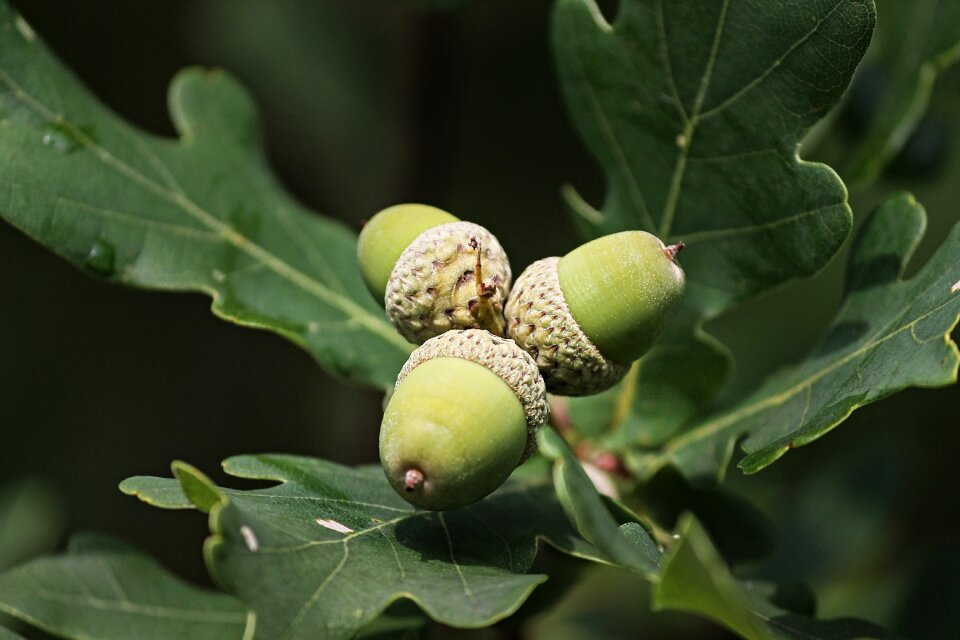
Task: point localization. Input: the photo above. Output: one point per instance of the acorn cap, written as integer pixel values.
(540, 322)
(433, 287)
(504, 358)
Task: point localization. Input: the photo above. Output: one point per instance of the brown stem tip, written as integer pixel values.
(673, 250)
(413, 480)
(478, 270)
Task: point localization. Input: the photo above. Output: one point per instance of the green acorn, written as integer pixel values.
(463, 416)
(434, 272)
(586, 316)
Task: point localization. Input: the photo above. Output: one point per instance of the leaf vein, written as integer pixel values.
(750, 409)
(734, 98)
(373, 324)
(463, 579)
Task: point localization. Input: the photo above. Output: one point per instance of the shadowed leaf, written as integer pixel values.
(916, 41)
(102, 588)
(695, 579)
(629, 545)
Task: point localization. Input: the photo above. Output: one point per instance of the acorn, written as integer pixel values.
(463, 415)
(433, 271)
(586, 316)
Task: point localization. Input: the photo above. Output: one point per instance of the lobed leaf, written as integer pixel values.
(695, 112)
(202, 213)
(104, 589)
(916, 42)
(325, 551)
(889, 334)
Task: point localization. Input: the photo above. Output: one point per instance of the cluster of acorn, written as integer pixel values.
(468, 402)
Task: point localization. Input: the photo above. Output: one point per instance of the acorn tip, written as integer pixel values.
(413, 480)
(674, 249)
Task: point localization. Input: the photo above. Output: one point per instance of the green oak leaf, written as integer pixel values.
(695, 112)
(325, 551)
(694, 578)
(104, 589)
(889, 334)
(629, 545)
(916, 41)
(202, 213)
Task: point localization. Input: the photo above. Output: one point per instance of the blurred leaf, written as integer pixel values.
(31, 521)
(610, 604)
(399, 618)
(740, 530)
(330, 547)
(6, 634)
(629, 545)
(695, 111)
(889, 334)
(442, 5)
(199, 214)
(334, 80)
(916, 41)
(929, 608)
(104, 589)
(694, 578)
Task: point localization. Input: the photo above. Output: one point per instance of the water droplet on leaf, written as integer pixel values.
(101, 259)
(25, 30)
(65, 138)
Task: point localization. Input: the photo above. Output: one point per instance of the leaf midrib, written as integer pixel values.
(239, 241)
(690, 122)
(711, 427)
(134, 608)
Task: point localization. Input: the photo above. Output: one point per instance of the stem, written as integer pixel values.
(673, 250)
(485, 312)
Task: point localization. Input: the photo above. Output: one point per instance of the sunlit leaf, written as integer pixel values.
(890, 333)
(328, 548)
(202, 213)
(695, 111)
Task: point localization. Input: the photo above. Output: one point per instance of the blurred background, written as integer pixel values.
(364, 105)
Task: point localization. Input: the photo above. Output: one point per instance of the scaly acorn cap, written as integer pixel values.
(385, 235)
(586, 316)
(503, 357)
(540, 322)
(452, 276)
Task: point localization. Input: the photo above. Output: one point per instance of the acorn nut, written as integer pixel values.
(586, 316)
(434, 272)
(463, 415)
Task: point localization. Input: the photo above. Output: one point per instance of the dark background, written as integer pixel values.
(366, 104)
